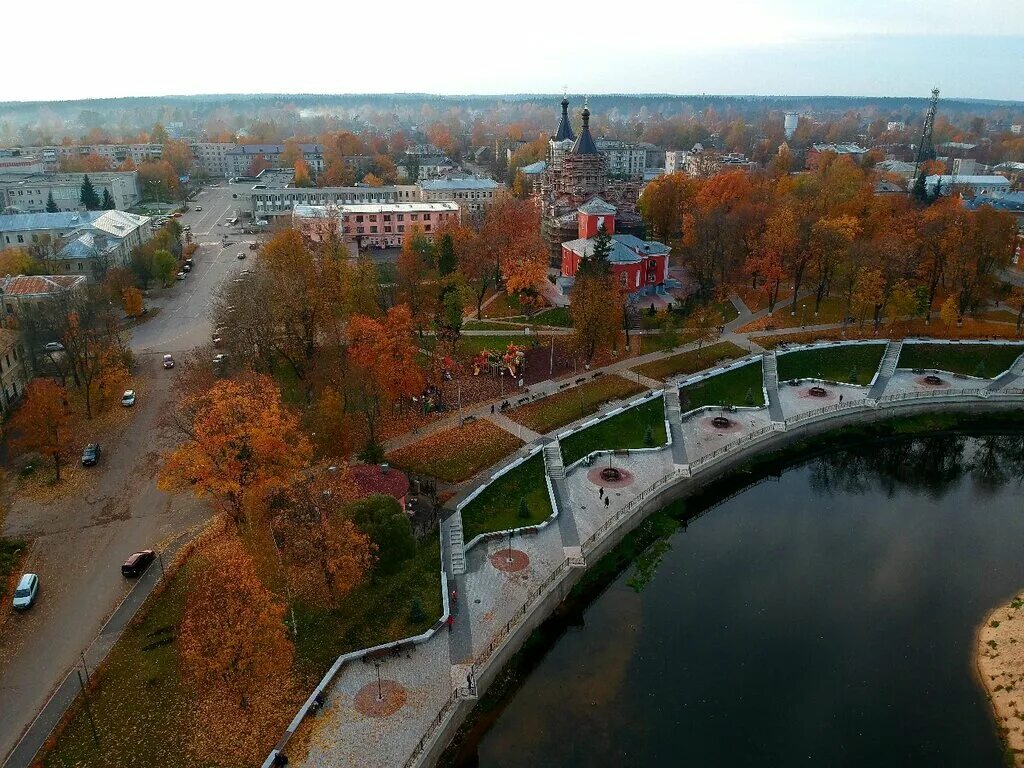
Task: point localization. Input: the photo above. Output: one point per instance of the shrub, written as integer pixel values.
(382, 519)
(524, 509)
(416, 614)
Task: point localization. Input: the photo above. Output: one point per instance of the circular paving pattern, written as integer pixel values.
(391, 698)
(510, 561)
(818, 392)
(932, 381)
(596, 476)
(708, 424)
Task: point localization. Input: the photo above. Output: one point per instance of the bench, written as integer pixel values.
(469, 419)
(563, 386)
(522, 400)
(581, 379)
(599, 373)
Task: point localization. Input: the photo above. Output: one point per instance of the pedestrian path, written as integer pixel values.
(525, 434)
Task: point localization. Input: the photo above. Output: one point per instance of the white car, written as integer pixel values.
(128, 398)
(181, 275)
(168, 361)
(220, 357)
(26, 592)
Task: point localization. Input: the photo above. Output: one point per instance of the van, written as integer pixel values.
(26, 592)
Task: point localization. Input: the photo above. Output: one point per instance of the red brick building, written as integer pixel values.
(641, 266)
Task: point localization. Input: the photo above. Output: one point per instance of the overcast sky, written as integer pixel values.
(969, 48)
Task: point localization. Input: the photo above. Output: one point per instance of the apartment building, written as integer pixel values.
(473, 194)
(13, 370)
(377, 225)
(623, 158)
(241, 157)
(28, 193)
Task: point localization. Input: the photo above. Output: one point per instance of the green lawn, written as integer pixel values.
(739, 386)
(853, 364)
(488, 325)
(689, 362)
(984, 360)
(555, 411)
(625, 430)
(558, 316)
(374, 613)
(497, 507)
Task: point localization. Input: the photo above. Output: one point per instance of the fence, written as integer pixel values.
(431, 729)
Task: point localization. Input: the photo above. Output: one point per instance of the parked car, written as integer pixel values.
(26, 592)
(91, 455)
(168, 361)
(186, 267)
(217, 340)
(253, 246)
(137, 563)
(181, 275)
(128, 398)
(199, 207)
(176, 215)
(54, 346)
(261, 222)
(241, 255)
(190, 261)
(220, 357)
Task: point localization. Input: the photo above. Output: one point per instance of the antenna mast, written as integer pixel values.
(926, 149)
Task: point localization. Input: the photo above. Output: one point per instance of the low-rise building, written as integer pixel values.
(13, 370)
(22, 291)
(272, 194)
(377, 225)
(968, 186)
(14, 161)
(422, 167)
(897, 126)
(640, 266)
(241, 157)
(29, 193)
(106, 241)
(24, 229)
(854, 151)
(472, 193)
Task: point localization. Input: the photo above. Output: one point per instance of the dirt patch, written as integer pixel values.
(1000, 664)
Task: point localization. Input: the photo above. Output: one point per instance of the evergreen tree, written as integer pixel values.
(89, 198)
(108, 201)
(919, 191)
(446, 255)
(649, 437)
(416, 614)
(51, 204)
(597, 262)
(524, 509)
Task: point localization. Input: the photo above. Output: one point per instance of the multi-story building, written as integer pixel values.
(13, 161)
(624, 159)
(28, 193)
(272, 194)
(24, 229)
(115, 154)
(211, 157)
(22, 291)
(377, 225)
(106, 241)
(13, 370)
(242, 157)
(472, 193)
(970, 186)
(897, 126)
(640, 266)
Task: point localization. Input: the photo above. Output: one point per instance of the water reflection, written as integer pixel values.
(824, 619)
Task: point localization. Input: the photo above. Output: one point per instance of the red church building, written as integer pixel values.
(641, 266)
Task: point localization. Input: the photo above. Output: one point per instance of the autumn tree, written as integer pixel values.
(663, 201)
(383, 365)
(43, 423)
(131, 300)
(417, 274)
(302, 175)
(830, 241)
(236, 655)
(388, 527)
(478, 264)
(242, 447)
(597, 307)
(324, 552)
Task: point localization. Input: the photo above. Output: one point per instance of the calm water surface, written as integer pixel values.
(825, 618)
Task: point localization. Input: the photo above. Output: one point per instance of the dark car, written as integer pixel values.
(137, 563)
(91, 454)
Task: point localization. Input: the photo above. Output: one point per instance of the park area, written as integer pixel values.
(456, 454)
(498, 507)
(691, 362)
(743, 385)
(558, 410)
(981, 360)
(642, 426)
(847, 364)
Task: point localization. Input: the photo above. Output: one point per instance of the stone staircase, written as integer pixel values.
(457, 546)
(673, 410)
(553, 461)
(770, 367)
(892, 355)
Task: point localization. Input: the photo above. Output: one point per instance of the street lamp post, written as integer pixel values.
(380, 691)
(501, 372)
(510, 546)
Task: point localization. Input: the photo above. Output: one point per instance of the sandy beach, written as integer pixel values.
(1000, 657)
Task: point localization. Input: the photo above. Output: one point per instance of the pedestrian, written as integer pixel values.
(840, 398)
(606, 500)
(492, 408)
(455, 595)
(600, 494)
(451, 621)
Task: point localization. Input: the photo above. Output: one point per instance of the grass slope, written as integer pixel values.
(497, 507)
(625, 430)
(729, 388)
(689, 362)
(847, 364)
(982, 360)
(457, 454)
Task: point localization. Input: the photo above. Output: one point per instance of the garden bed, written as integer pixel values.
(847, 364)
(624, 430)
(560, 409)
(691, 362)
(496, 508)
(982, 360)
(742, 386)
(456, 454)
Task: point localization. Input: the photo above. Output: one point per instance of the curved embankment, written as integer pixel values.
(672, 487)
(1000, 663)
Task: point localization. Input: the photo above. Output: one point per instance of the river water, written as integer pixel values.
(823, 617)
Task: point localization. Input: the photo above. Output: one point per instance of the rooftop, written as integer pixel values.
(972, 180)
(270, 149)
(324, 211)
(626, 249)
(534, 168)
(841, 149)
(596, 206)
(39, 285)
(22, 222)
(466, 183)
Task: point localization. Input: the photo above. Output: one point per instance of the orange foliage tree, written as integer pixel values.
(131, 300)
(243, 447)
(43, 423)
(383, 360)
(236, 655)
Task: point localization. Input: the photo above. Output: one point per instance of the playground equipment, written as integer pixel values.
(490, 362)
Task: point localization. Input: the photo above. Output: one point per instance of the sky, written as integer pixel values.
(968, 48)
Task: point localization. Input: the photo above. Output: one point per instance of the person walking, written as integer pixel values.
(600, 494)
(606, 500)
(840, 398)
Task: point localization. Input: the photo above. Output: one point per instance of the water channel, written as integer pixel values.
(822, 617)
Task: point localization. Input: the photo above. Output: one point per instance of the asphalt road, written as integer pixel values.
(79, 543)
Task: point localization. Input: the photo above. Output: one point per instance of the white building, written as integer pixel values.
(623, 158)
(896, 126)
(790, 124)
(106, 241)
(971, 186)
(473, 194)
(28, 193)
